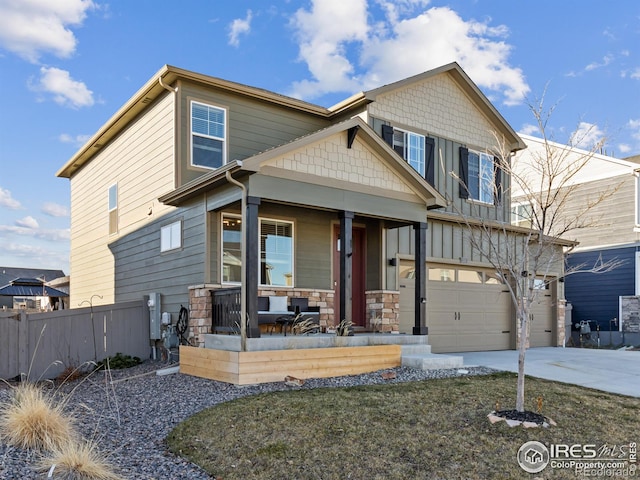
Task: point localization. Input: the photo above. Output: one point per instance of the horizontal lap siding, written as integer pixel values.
(141, 268)
(613, 218)
(253, 126)
(595, 296)
(144, 151)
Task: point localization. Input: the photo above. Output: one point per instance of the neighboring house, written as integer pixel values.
(352, 206)
(614, 234)
(47, 277)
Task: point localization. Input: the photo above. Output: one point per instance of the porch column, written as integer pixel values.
(346, 265)
(252, 253)
(420, 232)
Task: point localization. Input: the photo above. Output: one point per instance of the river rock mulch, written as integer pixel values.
(128, 413)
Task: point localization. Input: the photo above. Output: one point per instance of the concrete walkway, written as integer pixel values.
(614, 371)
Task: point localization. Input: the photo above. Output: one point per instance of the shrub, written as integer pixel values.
(119, 361)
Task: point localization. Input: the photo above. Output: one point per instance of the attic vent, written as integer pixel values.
(97, 145)
(146, 100)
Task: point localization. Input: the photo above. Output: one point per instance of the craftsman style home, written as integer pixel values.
(199, 184)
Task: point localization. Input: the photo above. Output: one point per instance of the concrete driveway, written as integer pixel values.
(614, 371)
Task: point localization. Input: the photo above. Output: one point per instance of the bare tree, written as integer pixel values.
(528, 259)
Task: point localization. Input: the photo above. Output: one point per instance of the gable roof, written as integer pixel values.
(158, 85)
(470, 89)
(409, 176)
(168, 75)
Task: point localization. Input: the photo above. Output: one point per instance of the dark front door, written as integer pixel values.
(358, 312)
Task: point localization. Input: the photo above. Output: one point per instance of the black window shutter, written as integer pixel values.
(429, 161)
(387, 134)
(497, 175)
(464, 172)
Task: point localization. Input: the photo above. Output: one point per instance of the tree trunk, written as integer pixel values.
(522, 349)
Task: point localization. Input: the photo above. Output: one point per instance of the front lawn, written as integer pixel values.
(435, 429)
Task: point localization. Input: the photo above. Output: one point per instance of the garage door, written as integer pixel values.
(467, 309)
(541, 318)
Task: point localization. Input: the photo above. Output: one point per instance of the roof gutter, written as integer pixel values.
(200, 184)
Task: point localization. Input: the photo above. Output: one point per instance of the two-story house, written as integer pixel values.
(605, 198)
(353, 207)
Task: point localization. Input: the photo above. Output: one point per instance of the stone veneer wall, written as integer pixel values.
(200, 306)
(383, 310)
(317, 298)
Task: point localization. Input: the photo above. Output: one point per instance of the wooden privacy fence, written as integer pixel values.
(31, 343)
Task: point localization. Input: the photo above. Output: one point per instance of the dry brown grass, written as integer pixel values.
(78, 461)
(32, 418)
(435, 429)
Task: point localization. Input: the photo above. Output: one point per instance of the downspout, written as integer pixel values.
(167, 87)
(243, 267)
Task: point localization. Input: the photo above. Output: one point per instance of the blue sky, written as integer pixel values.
(67, 65)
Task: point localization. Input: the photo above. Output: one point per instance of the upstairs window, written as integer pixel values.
(521, 214)
(113, 209)
(416, 149)
(208, 135)
(480, 177)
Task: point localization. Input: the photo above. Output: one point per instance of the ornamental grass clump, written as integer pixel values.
(31, 418)
(77, 461)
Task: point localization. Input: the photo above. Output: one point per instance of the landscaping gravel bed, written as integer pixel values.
(129, 417)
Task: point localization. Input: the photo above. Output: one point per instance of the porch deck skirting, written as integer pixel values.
(246, 368)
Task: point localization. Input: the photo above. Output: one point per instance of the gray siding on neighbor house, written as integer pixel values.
(613, 218)
(253, 126)
(140, 267)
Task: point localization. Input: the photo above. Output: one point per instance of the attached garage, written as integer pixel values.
(467, 309)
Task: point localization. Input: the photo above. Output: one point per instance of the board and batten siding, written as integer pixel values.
(141, 161)
(141, 268)
(253, 126)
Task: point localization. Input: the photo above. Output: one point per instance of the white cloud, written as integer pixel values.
(529, 129)
(27, 222)
(55, 235)
(346, 53)
(624, 148)
(239, 27)
(636, 74)
(55, 210)
(30, 28)
(586, 136)
(65, 90)
(77, 140)
(606, 60)
(6, 200)
(324, 34)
